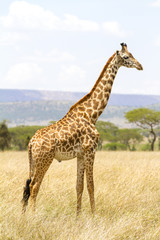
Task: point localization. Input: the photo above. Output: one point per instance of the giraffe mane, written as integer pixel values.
(87, 96)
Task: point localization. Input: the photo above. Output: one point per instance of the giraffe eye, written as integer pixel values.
(125, 57)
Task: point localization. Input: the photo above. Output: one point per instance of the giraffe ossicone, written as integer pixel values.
(75, 134)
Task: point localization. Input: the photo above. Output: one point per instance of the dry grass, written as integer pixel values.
(127, 192)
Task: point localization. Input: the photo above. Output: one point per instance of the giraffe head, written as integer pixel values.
(125, 58)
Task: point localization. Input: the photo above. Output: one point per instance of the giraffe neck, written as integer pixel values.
(101, 91)
(92, 105)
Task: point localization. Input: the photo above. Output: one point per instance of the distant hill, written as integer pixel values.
(14, 95)
(33, 107)
(42, 112)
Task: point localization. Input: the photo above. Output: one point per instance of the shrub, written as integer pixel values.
(21, 136)
(146, 147)
(114, 146)
(5, 137)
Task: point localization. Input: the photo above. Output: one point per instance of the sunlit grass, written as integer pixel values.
(127, 194)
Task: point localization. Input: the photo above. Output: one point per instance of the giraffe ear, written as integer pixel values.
(123, 44)
(124, 47)
(117, 52)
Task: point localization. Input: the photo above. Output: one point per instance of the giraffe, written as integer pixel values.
(75, 134)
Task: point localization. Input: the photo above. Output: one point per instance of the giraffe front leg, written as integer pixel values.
(89, 176)
(80, 182)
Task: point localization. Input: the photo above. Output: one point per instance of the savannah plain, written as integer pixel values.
(127, 194)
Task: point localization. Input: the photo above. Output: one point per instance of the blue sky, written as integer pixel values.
(63, 45)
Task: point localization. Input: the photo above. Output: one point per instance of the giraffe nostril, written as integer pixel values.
(140, 67)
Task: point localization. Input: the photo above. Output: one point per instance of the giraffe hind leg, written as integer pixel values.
(35, 186)
(39, 173)
(26, 195)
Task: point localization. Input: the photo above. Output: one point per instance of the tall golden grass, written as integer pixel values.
(127, 193)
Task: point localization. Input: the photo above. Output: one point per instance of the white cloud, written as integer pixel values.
(157, 41)
(54, 55)
(23, 15)
(10, 38)
(113, 28)
(21, 75)
(156, 3)
(74, 76)
(73, 23)
(29, 16)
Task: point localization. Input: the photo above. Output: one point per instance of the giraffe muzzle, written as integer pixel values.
(139, 67)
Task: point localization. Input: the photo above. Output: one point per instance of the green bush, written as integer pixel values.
(5, 137)
(145, 147)
(21, 135)
(114, 146)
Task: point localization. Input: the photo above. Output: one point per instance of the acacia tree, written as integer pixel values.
(108, 131)
(145, 118)
(129, 137)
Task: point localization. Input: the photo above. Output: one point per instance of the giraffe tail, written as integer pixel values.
(26, 192)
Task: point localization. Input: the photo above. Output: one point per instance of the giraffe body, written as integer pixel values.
(75, 134)
(64, 140)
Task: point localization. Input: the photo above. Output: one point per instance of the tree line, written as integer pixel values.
(145, 120)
